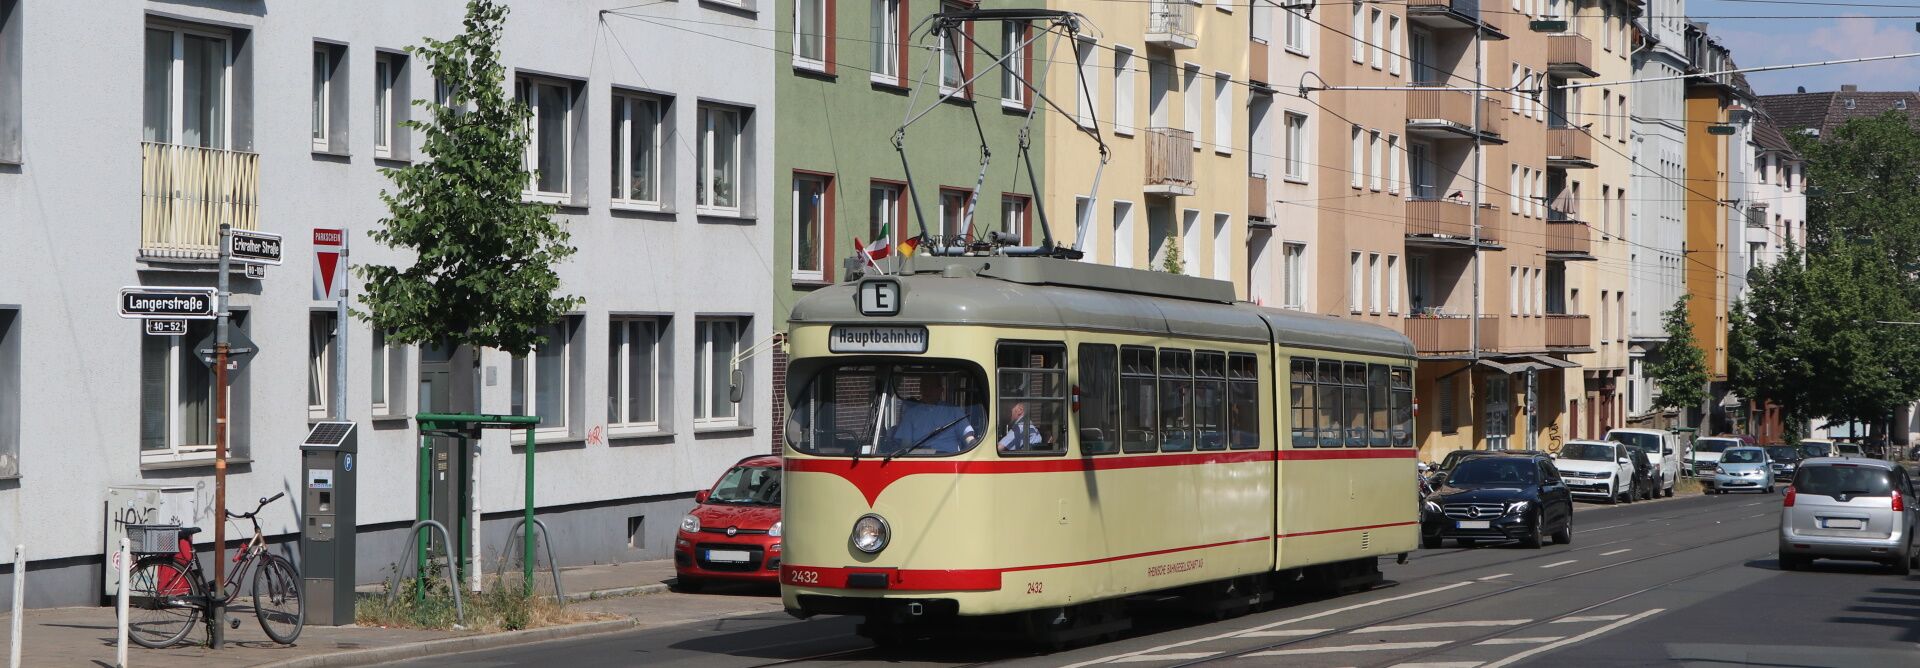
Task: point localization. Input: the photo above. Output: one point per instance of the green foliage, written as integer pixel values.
(1172, 263)
(1863, 177)
(483, 257)
(1681, 370)
(423, 602)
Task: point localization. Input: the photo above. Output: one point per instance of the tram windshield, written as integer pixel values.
(910, 410)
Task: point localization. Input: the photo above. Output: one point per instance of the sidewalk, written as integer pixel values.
(628, 595)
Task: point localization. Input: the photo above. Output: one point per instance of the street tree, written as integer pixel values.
(1864, 176)
(483, 257)
(1681, 370)
(1766, 337)
(1850, 366)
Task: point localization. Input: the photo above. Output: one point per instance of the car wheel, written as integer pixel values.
(1466, 542)
(1668, 492)
(1633, 491)
(1613, 496)
(1901, 567)
(1565, 535)
(1430, 542)
(1792, 563)
(1647, 491)
(1532, 540)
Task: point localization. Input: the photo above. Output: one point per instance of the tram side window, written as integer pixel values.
(1138, 417)
(1033, 398)
(1176, 400)
(1402, 407)
(1243, 401)
(1210, 400)
(1356, 387)
(1099, 412)
(1305, 432)
(1333, 417)
(1377, 420)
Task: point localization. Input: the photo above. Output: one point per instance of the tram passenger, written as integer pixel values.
(1021, 434)
(932, 415)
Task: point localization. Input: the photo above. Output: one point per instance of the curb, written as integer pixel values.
(642, 590)
(453, 645)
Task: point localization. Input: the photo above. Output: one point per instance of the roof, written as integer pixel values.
(1768, 136)
(1794, 112)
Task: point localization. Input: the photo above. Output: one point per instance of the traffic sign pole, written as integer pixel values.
(217, 619)
(340, 337)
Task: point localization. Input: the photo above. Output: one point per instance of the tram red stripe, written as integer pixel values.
(1355, 453)
(1328, 531)
(977, 579)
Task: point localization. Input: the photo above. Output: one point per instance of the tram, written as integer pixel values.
(1029, 441)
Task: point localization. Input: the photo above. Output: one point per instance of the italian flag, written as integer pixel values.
(882, 245)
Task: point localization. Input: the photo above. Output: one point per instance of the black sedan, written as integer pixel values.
(1786, 459)
(1496, 498)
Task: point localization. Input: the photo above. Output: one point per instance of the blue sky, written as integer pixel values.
(1757, 42)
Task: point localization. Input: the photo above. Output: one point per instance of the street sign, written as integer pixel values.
(239, 348)
(167, 303)
(254, 247)
(329, 264)
(158, 327)
(256, 271)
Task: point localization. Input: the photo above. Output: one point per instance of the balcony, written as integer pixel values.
(1570, 57)
(1451, 15)
(1451, 334)
(1569, 148)
(1172, 24)
(1257, 196)
(1446, 223)
(1169, 162)
(1257, 65)
(1568, 239)
(1569, 333)
(187, 192)
(1440, 113)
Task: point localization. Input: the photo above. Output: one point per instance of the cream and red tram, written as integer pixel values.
(1167, 438)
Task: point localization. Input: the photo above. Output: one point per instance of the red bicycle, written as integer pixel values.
(167, 591)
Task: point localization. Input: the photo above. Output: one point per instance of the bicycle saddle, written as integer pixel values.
(186, 532)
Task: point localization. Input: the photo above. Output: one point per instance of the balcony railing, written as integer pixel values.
(1569, 148)
(187, 192)
(1172, 24)
(1256, 196)
(1448, 219)
(1169, 162)
(1440, 113)
(1570, 56)
(1451, 334)
(1567, 236)
(1569, 331)
(1257, 61)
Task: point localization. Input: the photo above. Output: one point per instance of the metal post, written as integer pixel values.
(120, 604)
(422, 509)
(1479, 159)
(526, 545)
(340, 339)
(217, 633)
(20, 599)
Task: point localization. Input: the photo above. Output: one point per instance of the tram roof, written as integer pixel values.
(1051, 293)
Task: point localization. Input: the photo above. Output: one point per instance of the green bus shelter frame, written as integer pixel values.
(467, 427)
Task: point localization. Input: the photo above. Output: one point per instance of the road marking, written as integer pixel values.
(1284, 633)
(1615, 526)
(1370, 647)
(1588, 618)
(1558, 564)
(1188, 656)
(1519, 641)
(1441, 625)
(1439, 664)
(1264, 627)
(1569, 641)
(1495, 577)
(1609, 554)
(1759, 515)
(1743, 505)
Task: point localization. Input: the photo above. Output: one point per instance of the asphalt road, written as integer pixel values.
(1689, 580)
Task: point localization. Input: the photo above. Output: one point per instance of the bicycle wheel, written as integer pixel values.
(276, 599)
(164, 602)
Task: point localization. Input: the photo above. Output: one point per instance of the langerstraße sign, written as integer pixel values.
(165, 302)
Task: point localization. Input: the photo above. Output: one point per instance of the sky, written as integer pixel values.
(1801, 39)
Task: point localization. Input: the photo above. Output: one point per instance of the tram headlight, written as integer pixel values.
(870, 534)
(690, 524)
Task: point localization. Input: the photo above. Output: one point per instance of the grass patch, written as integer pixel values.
(1688, 486)
(503, 604)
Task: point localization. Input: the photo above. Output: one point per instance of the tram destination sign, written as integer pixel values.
(255, 247)
(167, 303)
(886, 339)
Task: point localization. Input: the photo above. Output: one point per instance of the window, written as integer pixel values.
(1379, 411)
(1513, 188)
(812, 35)
(188, 79)
(1448, 406)
(1374, 283)
(717, 340)
(717, 158)
(1355, 376)
(1222, 113)
(1420, 172)
(1329, 402)
(1358, 33)
(1138, 421)
(1374, 168)
(322, 95)
(1099, 412)
(10, 118)
(550, 130)
(1123, 76)
(1306, 433)
(1190, 91)
(812, 226)
(1513, 290)
(636, 143)
(387, 386)
(1222, 246)
(1243, 401)
(955, 214)
(1393, 164)
(1013, 218)
(1296, 146)
(1378, 37)
(1621, 113)
(1296, 31)
(176, 397)
(1401, 426)
(1417, 286)
(320, 336)
(1294, 257)
(1176, 400)
(1033, 398)
(1606, 104)
(956, 58)
(1088, 83)
(889, 52)
(1209, 400)
(1189, 242)
(1123, 234)
(885, 209)
(1159, 88)
(1356, 282)
(1393, 284)
(633, 372)
(543, 385)
(1358, 166)
(1393, 45)
(384, 70)
(10, 388)
(1513, 78)
(1018, 67)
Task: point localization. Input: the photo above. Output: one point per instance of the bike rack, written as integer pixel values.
(540, 529)
(413, 535)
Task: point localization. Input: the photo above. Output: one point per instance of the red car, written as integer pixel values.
(733, 534)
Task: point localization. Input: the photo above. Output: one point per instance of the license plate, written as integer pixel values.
(1839, 523)
(733, 556)
(1473, 524)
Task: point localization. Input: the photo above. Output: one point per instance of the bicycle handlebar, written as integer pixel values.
(256, 510)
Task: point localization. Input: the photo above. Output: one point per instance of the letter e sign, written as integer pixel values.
(880, 297)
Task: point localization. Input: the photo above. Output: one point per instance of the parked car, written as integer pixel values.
(1862, 509)
(1744, 467)
(1847, 449)
(1646, 481)
(1597, 469)
(1505, 496)
(1785, 459)
(733, 533)
(1664, 447)
(1810, 449)
(1706, 454)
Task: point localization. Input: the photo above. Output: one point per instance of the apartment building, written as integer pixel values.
(289, 110)
(1283, 209)
(1657, 260)
(1709, 102)
(1165, 84)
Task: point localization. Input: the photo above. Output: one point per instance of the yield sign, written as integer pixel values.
(329, 264)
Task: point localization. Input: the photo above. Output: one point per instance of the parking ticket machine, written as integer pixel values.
(327, 522)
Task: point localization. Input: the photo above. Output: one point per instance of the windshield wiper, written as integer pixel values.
(923, 440)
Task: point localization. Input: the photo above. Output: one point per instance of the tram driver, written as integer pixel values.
(935, 417)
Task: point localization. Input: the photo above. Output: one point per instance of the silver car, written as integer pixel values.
(1850, 508)
(1744, 467)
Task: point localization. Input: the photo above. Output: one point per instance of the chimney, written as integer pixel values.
(1800, 89)
(1849, 88)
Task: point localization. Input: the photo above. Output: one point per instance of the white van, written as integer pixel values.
(1661, 446)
